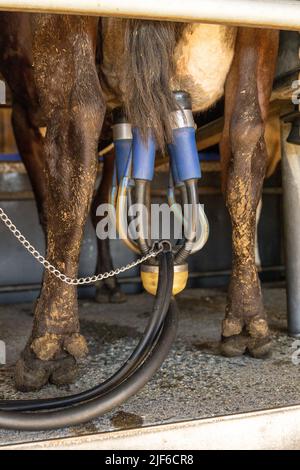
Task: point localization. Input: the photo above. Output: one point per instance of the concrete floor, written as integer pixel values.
(195, 381)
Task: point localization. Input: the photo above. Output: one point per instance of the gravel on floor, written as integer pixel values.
(194, 382)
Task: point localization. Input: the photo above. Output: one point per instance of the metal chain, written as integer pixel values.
(69, 280)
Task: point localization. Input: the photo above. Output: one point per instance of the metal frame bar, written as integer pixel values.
(290, 164)
(276, 428)
(278, 14)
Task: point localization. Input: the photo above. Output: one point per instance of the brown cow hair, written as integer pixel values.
(148, 98)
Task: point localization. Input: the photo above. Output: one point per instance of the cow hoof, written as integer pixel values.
(238, 345)
(234, 346)
(117, 296)
(105, 294)
(32, 374)
(65, 373)
(260, 348)
(49, 358)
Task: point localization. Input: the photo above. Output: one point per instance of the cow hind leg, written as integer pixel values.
(243, 153)
(30, 145)
(72, 101)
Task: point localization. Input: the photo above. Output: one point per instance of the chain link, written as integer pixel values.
(69, 280)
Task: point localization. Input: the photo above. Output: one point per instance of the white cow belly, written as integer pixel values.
(203, 58)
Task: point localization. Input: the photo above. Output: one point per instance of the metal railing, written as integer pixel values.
(279, 14)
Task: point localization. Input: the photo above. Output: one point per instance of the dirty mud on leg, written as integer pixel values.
(74, 111)
(243, 152)
(55, 343)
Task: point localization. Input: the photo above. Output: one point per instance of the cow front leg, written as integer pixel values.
(243, 151)
(74, 109)
(107, 290)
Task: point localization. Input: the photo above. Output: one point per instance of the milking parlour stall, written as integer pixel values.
(150, 240)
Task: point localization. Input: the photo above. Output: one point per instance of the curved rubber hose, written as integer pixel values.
(97, 407)
(160, 308)
(203, 221)
(141, 199)
(121, 211)
(130, 218)
(193, 200)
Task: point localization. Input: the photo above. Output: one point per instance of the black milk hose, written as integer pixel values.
(146, 359)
